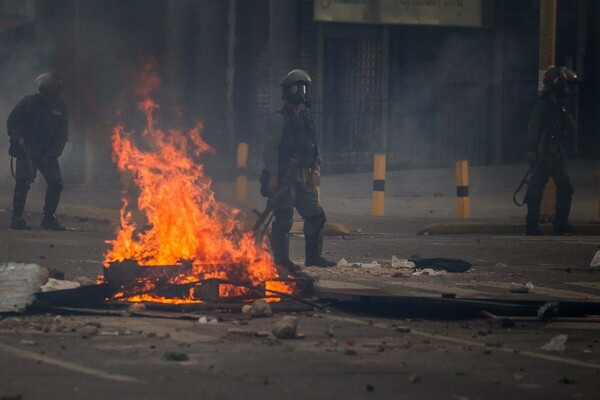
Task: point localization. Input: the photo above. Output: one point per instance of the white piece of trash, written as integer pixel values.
(596, 259)
(557, 343)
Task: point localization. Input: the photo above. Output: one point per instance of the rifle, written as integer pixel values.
(526, 177)
(284, 188)
(30, 169)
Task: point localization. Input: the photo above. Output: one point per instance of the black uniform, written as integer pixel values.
(42, 122)
(548, 123)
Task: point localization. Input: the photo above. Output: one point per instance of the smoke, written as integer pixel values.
(19, 66)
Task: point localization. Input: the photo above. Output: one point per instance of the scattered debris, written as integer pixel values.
(548, 311)
(286, 328)
(204, 320)
(521, 287)
(88, 331)
(173, 356)
(428, 272)
(596, 259)
(394, 268)
(18, 284)
(260, 308)
(57, 284)
(84, 281)
(518, 377)
(329, 331)
(557, 343)
(446, 264)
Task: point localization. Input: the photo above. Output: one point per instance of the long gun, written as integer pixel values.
(30, 169)
(525, 180)
(29, 163)
(272, 201)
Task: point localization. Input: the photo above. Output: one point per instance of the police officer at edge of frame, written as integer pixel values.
(38, 130)
(291, 156)
(548, 124)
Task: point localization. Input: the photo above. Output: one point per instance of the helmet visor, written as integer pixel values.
(299, 89)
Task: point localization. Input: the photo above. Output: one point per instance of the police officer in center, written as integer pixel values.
(37, 127)
(548, 124)
(291, 159)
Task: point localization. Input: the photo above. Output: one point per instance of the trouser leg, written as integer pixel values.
(51, 172)
(564, 196)
(535, 192)
(20, 197)
(24, 176)
(280, 238)
(313, 234)
(309, 208)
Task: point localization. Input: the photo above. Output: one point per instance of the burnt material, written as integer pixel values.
(179, 282)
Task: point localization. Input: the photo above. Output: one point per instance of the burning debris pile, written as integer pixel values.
(192, 244)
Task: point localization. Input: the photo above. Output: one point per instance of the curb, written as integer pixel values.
(590, 229)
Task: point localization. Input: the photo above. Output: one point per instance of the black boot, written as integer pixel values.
(563, 228)
(313, 249)
(17, 222)
(52, 223)
(563, 209)
(533, 217)
(19, 199)
(280, 244)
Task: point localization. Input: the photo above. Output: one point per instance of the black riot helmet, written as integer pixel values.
(50, 84)
(294, 87)
(557, 79)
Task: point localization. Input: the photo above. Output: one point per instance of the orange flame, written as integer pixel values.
(185, 222)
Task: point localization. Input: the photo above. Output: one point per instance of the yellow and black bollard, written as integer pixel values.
(378, 185)
(462, 189)
(241, 184)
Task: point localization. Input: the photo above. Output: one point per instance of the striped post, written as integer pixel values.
(378, 185)
(241, 184)
(462, 189)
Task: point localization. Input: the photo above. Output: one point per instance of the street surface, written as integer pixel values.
(342, 355)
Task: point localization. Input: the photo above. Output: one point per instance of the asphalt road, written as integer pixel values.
(343, 355)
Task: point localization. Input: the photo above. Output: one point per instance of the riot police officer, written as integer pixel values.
(37, 127)
(548, 124)
(291, 159)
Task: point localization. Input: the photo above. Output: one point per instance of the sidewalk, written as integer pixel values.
(414, 199)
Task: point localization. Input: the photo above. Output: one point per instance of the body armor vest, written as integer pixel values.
(299, 141)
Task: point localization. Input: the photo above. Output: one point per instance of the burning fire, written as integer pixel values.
(184, 221)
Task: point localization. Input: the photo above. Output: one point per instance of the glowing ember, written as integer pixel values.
(184, 221)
